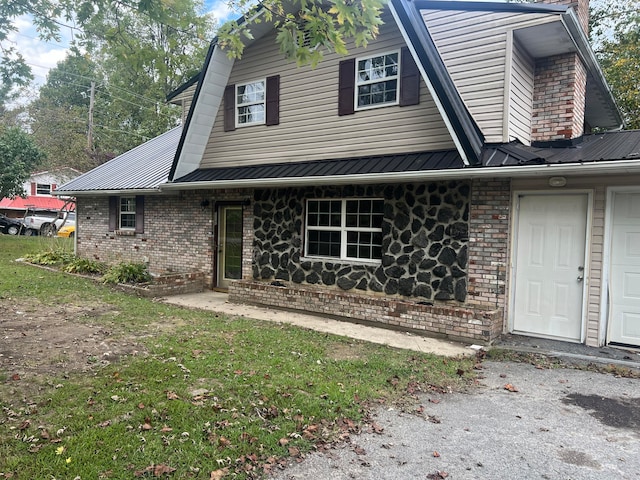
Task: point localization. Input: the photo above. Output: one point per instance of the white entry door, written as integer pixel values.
(549, 265)
(624, 288)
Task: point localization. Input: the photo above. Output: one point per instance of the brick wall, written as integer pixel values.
(178, 233)
(454, 322)
(558, 98)
(489, 242)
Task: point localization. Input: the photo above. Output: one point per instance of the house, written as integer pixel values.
(38, 193)
(464, 175)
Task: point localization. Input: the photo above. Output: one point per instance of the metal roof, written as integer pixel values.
(597, 147)
(145, 167)
(381, 164)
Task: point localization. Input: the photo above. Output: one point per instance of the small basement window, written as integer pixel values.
(346, 229)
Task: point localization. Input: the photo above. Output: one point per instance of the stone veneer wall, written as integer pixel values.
(425, 236)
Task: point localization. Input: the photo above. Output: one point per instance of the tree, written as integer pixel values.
(19, 156)
(615, 34)
(143, 56)
(306, 28)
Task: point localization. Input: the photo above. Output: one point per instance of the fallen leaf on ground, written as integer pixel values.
(15, 376)
(510, 388)
(436, 454)
(359, 450)
(438, 475)
(218, 474)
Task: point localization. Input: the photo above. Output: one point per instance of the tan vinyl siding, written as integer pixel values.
(310, 128)
(521, 101)
(185, 99)
(473, 46)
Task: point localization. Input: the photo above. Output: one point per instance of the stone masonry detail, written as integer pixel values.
(424, 241)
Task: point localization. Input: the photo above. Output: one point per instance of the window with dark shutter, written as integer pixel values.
(273, 100)
(409, 79)
(346, 86)
(139, 214)
(113, 213)
(230, 108)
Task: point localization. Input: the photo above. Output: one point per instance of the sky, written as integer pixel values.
(42, 55)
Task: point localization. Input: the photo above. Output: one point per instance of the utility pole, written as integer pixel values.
(92, 96)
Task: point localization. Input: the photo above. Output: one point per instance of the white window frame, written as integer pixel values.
(122, 212)
(359, 83)
(343, 229)
(263, 102)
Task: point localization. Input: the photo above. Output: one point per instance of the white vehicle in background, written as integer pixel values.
(46, 222)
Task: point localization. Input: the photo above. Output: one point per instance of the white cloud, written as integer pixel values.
(40, 55)
(220, 10)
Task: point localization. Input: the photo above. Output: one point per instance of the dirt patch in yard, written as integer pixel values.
(43, 341)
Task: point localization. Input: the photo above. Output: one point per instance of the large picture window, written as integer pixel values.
(250, 103)
(348, 229)
(377, 80)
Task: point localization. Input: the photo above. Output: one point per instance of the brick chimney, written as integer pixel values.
(560, 88)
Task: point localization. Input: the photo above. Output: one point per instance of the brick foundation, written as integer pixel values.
(455, 322)
(174, 284)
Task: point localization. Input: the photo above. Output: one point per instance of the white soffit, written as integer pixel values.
(204, 113)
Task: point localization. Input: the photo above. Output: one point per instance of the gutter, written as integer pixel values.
(595, 168)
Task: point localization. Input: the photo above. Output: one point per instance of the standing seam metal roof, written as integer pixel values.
(144, 167)
(449, 159)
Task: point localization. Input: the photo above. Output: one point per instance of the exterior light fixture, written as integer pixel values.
(557, 181)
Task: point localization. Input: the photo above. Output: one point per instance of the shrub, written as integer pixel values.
(84, 266)
(51, 257)
(127, 272)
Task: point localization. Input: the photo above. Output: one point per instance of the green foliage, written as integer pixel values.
(50, 258)
(19, 156)
(127, 272)
(615, 33)
(307, 28)
(84, 266)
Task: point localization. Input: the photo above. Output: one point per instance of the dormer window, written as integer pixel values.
(250, 103)
(253, 103)
(377, 80)
(382, 79)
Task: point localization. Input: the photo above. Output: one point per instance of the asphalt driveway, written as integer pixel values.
(559, 424)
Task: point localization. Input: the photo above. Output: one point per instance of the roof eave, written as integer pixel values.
(572, 24)
(462, 128)
(124, 191)
(622, 167)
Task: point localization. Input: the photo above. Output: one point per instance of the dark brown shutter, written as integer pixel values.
(33, 188)
(53, 187)
(409, 79)
(346, 87)
(230, 108)
(113, 213)
(273, 100)
(139, 214)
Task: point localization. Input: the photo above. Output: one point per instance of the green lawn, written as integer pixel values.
(204, 393)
